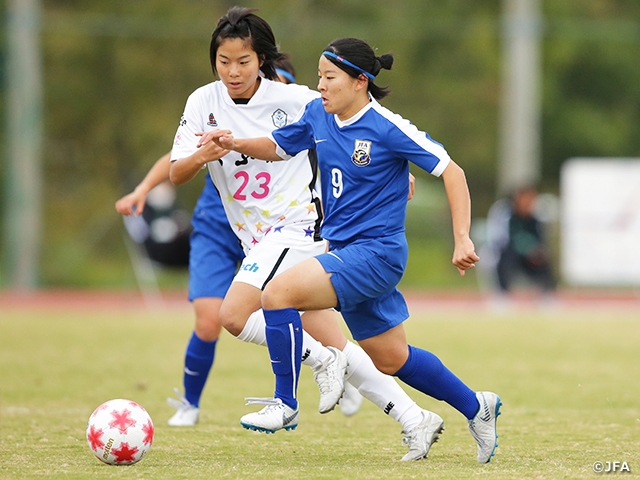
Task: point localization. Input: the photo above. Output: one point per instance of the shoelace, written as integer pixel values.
(269, 401)
(408, 437)
(412, 435)
(182, 403)
(325, 378)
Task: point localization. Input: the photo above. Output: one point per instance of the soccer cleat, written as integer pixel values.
(330, 379)
(483, 425)
(187, 415)
(423, 436)
(351, 400)
(275, 416)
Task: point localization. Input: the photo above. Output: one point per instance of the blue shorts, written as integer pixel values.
(364, 275)
(215, 250)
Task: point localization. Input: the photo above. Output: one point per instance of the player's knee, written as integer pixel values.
(273, 297)
(386, 367)
(231, 321)
(208, 327)
(389, 362)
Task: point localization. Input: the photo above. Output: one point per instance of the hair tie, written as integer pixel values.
(347, 62)
(286, 75)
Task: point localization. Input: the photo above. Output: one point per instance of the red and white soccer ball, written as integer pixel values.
(120, 432)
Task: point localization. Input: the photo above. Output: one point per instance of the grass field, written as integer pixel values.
(569, 380)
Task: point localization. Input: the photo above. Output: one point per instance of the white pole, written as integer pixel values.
(519, 139)
(24, 145)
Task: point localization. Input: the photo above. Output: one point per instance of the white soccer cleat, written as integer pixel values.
(423, 436)
(351, 400)
(275, 416)
(483, 425)
(187, 415)
(330, 379)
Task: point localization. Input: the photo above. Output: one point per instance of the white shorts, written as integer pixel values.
(274, 255)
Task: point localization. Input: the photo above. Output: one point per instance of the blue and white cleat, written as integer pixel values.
(483, 425)
(275, 416)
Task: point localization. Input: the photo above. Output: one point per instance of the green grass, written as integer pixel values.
(570, 383)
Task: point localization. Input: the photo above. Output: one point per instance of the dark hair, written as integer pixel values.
(359, 53)
(242, 23)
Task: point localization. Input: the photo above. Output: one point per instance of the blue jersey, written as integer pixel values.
(215, 250)
(209, 211)
(364, 165)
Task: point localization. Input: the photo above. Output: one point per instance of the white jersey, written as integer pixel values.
(259, 197)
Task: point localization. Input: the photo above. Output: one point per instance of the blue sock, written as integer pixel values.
(284, 339)
(197, 363)
(426, 373)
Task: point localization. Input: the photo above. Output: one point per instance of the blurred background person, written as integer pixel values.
(517, 244)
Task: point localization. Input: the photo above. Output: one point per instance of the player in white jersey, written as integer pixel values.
(214, 256)
(274, 209)
(364, 152)
(258, 197)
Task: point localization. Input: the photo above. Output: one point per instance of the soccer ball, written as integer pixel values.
(120, 432)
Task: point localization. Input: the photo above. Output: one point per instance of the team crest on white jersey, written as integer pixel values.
(279, 118)
(212, 121)
(362, 153)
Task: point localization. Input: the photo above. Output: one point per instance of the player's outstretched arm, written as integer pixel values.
(185, 169)
(261, 148)
(133, 203)
(455, 184)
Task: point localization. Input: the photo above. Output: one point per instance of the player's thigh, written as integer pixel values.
(365, 269)
(240, 302)
(305, 286)
(323, 325)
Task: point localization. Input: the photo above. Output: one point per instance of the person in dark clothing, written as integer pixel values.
(524, 250)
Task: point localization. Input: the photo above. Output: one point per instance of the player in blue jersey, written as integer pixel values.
(262, 201)
(364, 152)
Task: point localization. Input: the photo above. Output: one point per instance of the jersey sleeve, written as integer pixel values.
(185, 141)
(417, 146)
(295, 137)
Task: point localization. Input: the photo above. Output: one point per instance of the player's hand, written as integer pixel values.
(209, 148)
(219, 137)
(412, 186)
(131, 204)
(464, 255)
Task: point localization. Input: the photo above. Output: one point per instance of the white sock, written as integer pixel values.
(253, 331)
(382, 390)
(313, 352)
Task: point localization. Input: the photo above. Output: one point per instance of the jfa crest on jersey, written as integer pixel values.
(279, 118)
(361, 153)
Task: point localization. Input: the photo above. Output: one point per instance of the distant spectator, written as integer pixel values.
(516, 236)
(162, 228)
